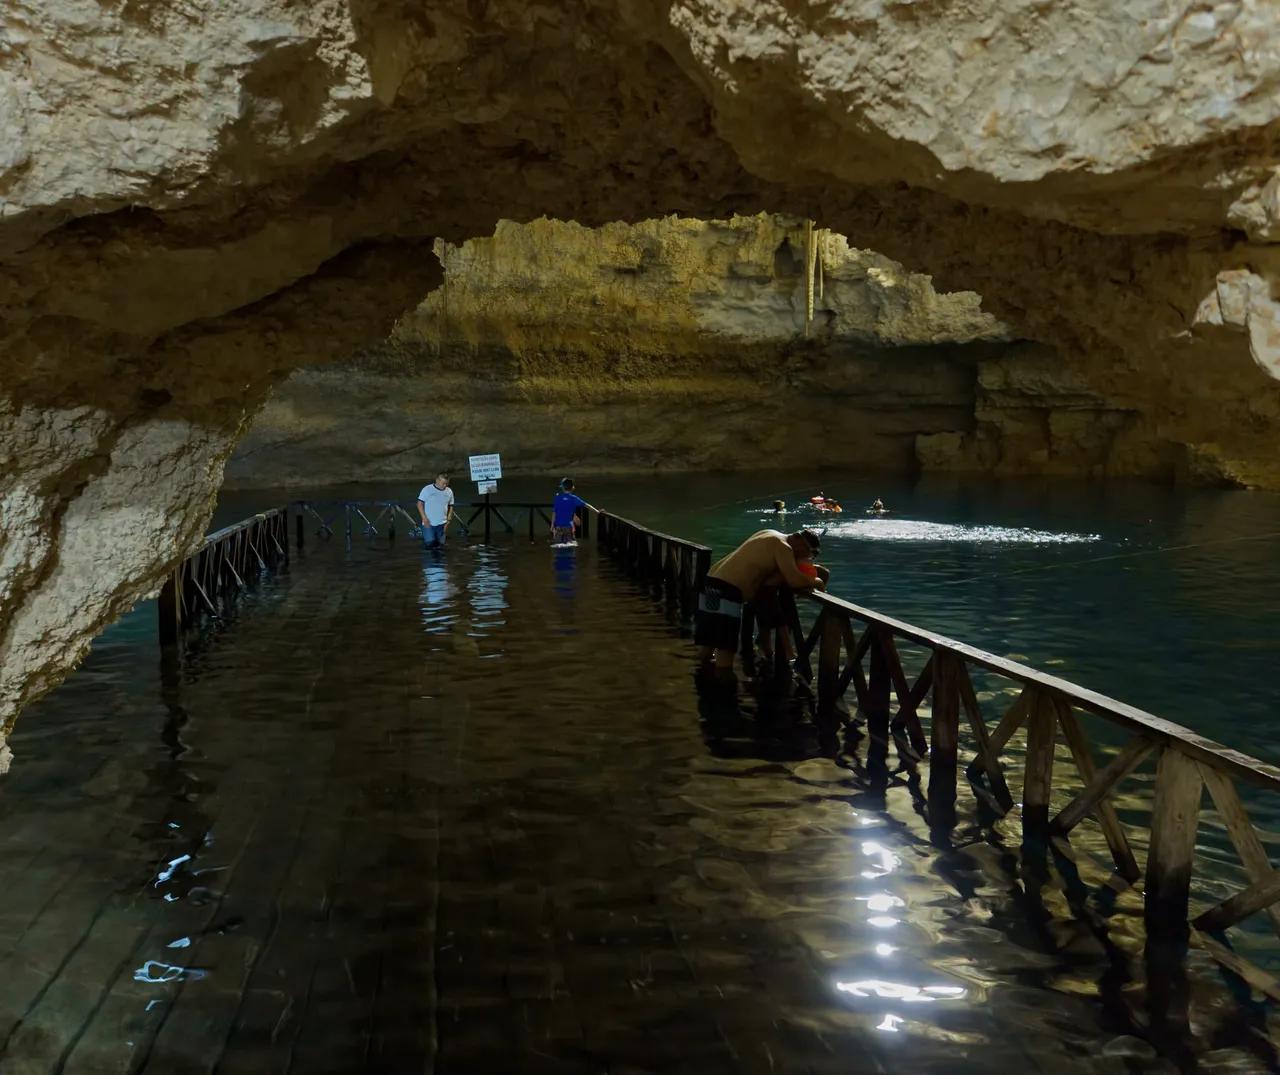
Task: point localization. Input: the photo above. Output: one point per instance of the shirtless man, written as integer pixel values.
(734, 580)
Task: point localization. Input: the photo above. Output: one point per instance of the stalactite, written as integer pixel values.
(821, 243)
(809, 252)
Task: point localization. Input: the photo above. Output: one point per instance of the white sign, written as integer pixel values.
(487, 487)
(485, 468)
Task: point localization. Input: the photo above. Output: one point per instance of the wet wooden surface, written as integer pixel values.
(436, 823)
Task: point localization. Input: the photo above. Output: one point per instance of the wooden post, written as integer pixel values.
(803, 668)
(533, 513)
(829, 642)
(301, 528)
(488, 512)
(1078, 742)
(170, 610)
(879, 684)
(944, 730)
(586, 524)
(347, 513)
(1175, 819)
(747, 641)
(702, 566)
(1222, 791)
(1037, 783)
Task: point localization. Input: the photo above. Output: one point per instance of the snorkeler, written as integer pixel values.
(736, 579)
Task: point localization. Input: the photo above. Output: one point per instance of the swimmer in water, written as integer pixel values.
(779, 507)
(878, 508)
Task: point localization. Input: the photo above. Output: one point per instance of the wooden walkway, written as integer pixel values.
(437, 821)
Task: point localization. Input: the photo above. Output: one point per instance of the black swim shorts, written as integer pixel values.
(718, 619)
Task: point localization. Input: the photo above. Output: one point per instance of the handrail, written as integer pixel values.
(221, 566)
(659, 534)
(244, 524)
(1186, 762)
(1130, 717)
(394, 509)
(671, 563)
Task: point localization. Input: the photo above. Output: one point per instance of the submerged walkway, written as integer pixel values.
(468, 813)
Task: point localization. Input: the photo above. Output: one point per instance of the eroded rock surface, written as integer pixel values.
(170, 173)
(683, 345)
(668, 345)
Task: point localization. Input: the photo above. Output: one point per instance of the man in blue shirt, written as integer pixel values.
(562, 511)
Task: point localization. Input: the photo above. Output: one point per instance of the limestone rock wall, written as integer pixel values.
(174, 176)
(669, 345)
(678, 344)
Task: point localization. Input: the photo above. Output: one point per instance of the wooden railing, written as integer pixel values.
(227, 562)
(531, 512)
(858, 648)
(866, 658)
(672, 563)
(375, 517)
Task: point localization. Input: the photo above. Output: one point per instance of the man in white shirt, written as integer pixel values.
(435, 507)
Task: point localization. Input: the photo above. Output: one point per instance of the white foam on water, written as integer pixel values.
(888, 529)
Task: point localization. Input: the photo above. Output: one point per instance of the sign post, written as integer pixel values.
(485, 472)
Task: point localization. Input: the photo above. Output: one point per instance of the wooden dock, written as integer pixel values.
(418, 841)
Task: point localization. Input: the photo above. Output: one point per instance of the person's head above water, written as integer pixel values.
(805, 544)
(566, 485)
(778, 505)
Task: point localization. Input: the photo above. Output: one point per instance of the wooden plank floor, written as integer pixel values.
(440, 819)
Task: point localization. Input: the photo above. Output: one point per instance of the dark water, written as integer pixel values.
(470, 814)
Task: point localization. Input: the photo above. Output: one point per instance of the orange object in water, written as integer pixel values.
(807, 568)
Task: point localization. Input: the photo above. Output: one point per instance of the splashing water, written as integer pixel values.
(884, 529)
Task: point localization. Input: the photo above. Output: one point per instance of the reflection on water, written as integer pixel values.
(469, 811)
